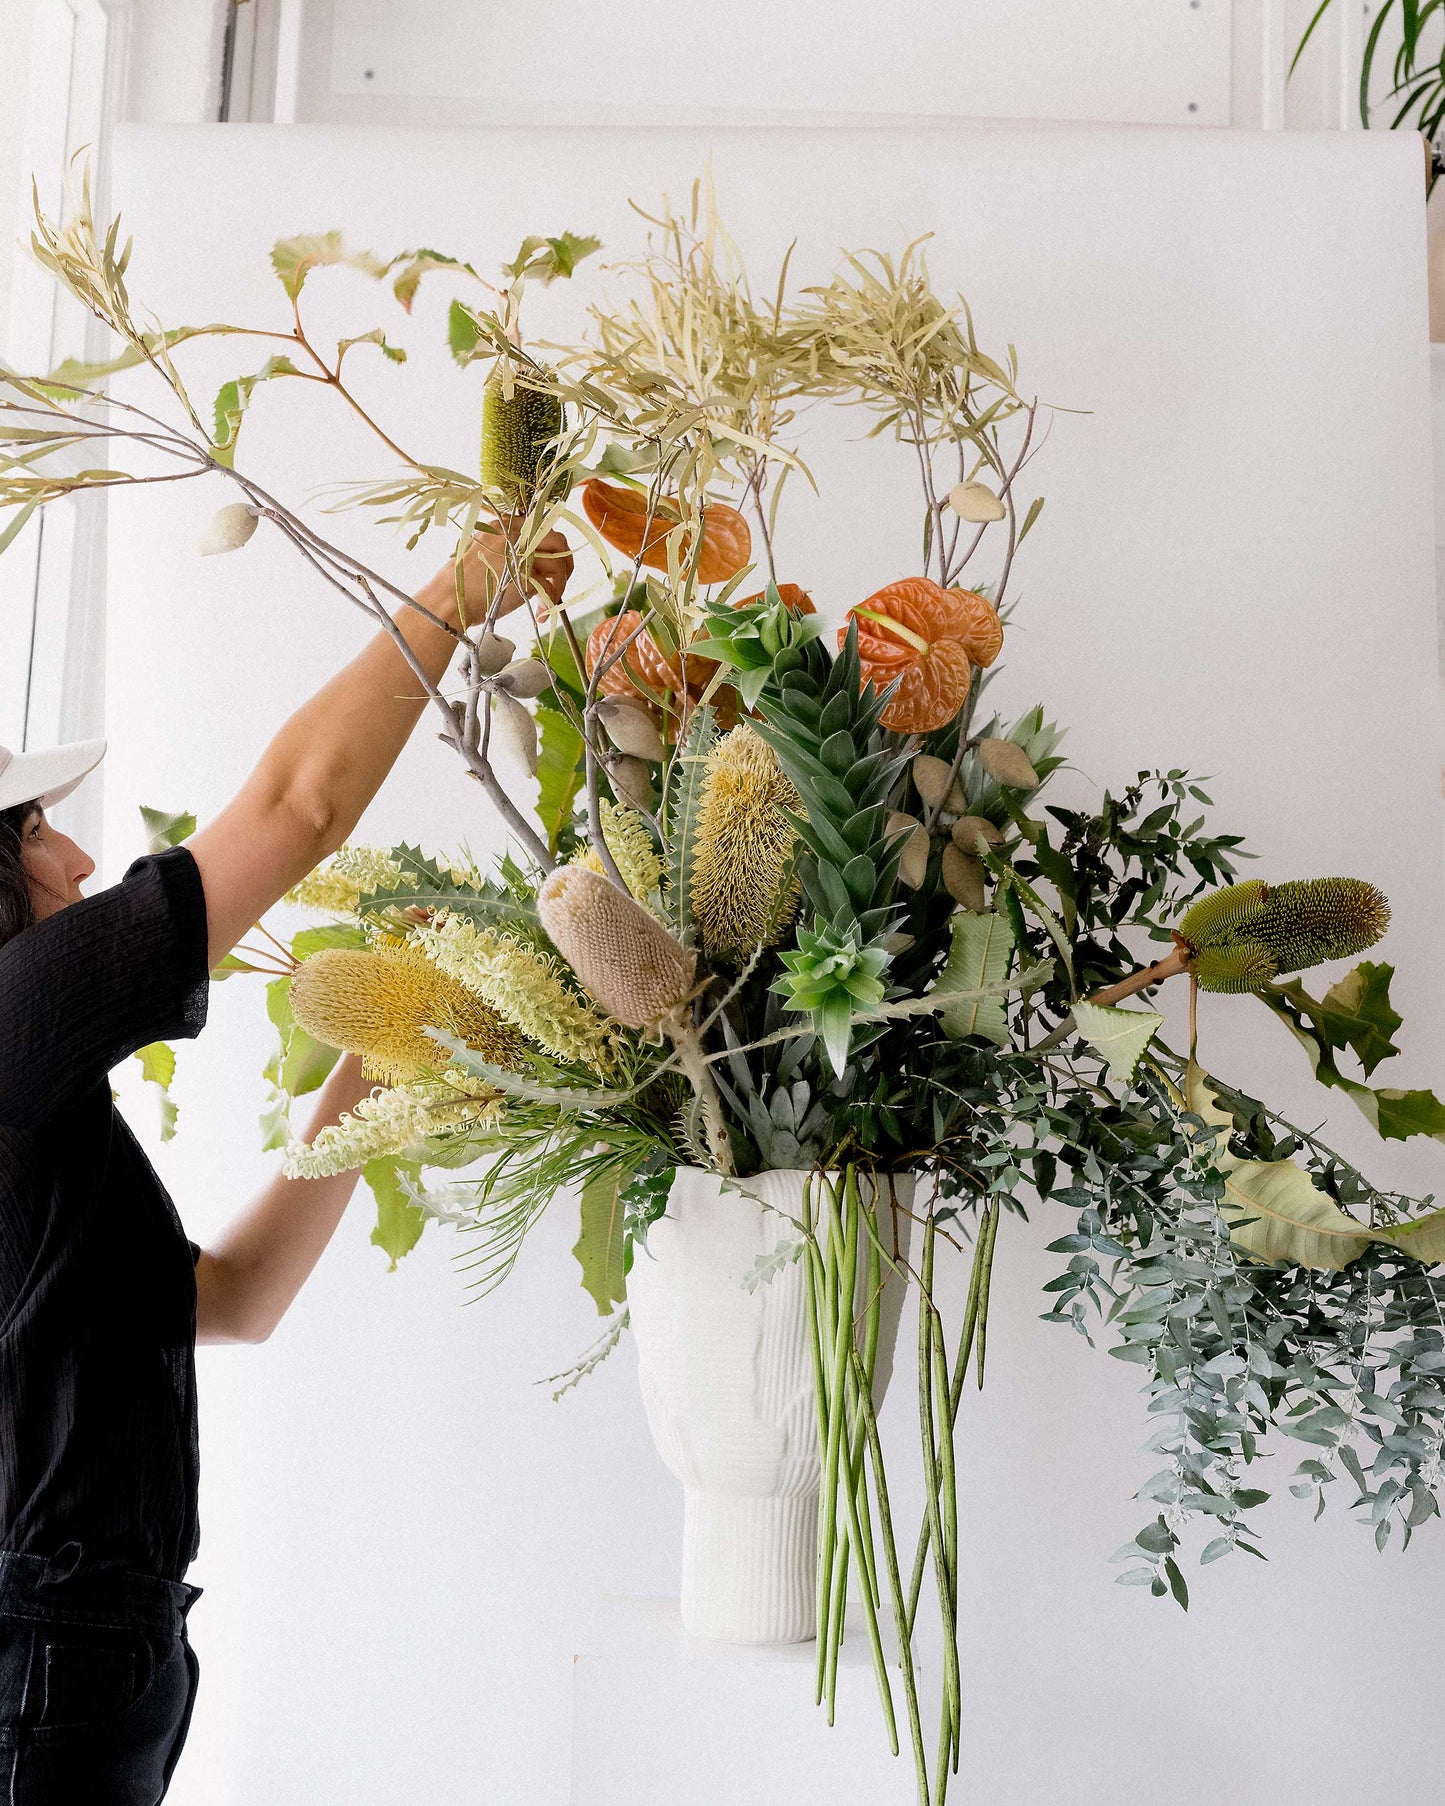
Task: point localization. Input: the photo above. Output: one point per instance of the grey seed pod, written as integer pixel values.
(631, 730)
(897, 943)
(970, 832)
(527, 677)
(931, 780)
(913, 862)
(1007, 764)
(514, 730)
(975, 502)
(229, 528)
(963, 879)
(632, 781)
(493, 653)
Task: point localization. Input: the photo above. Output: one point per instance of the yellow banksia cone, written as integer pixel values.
(379, 1003)
(745, 883)
(621, 955)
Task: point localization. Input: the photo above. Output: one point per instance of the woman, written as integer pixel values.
(102, 1298)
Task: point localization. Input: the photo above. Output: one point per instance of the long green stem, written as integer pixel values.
(895, 1579)
(842, 1344)
(932, 1478)
(990, 1230)
(982, 1256)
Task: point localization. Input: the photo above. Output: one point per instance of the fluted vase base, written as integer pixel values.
(748, 1567)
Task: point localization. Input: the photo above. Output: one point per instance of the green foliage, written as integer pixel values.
(600, 1249)
(829, 977)
(1356, 1017)
(545, 259)
(158, 1068)
(232, 401)
(980, 951)
(1122, 1036)
(560, 750)
(293, 259)
(164, 829)
(686, 783)
(399, 1222)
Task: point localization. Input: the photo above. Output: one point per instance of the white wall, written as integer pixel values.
(402, 1536)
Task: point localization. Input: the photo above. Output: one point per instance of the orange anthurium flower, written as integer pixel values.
(620, 515)
(931, 638)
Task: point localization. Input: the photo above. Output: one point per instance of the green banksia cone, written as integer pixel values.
(1247, 934)
(1223, 911)
(622, 956)
(745, 884)
(1233, 966)
(379, 1003)
(1311, 920)
(517, 434)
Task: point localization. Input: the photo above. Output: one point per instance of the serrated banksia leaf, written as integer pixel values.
(745, 882)
(620, 954)
(380, 1002)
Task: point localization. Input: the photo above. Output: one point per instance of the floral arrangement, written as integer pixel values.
(792, 898)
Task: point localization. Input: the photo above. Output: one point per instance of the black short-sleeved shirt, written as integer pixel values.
(98, 1451)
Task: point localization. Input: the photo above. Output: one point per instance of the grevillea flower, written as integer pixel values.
(379, 1002)
(393, 1121)
(526, 988)
(338, 886)
(632, 847)
(620, 954)
(745, 884)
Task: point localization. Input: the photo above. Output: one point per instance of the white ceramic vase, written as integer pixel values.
(727, 1382)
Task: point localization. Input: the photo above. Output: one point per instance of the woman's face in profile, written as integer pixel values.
(55, 867)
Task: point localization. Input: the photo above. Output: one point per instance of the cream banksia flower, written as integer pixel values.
(526, 988)
(623, 957)
(380, 1002)
(631, 846)
(745, 884)
(388, 1122)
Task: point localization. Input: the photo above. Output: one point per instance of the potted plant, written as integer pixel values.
(793, 974)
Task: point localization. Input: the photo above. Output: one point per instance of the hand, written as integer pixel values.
(484, 566)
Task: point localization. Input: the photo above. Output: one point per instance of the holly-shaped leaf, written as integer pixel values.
(544, 260)
(1121, 1036)
(978, 956)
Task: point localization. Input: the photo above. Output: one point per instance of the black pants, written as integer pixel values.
(97, 1682)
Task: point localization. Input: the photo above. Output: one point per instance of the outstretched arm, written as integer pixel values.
(313, 781)
(246, 1282)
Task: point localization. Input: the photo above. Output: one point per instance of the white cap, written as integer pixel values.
(46, 777)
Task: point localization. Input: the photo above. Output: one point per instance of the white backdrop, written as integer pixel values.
(403, 1537)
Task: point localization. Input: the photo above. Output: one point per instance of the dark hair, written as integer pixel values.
(17, 906)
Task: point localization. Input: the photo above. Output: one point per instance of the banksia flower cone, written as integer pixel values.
(622, 955)
(1243, 936)
(517, 431)
(745, 884)
(380, 1003)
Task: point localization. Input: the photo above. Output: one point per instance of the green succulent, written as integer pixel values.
(749, 639)
(829, 976)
